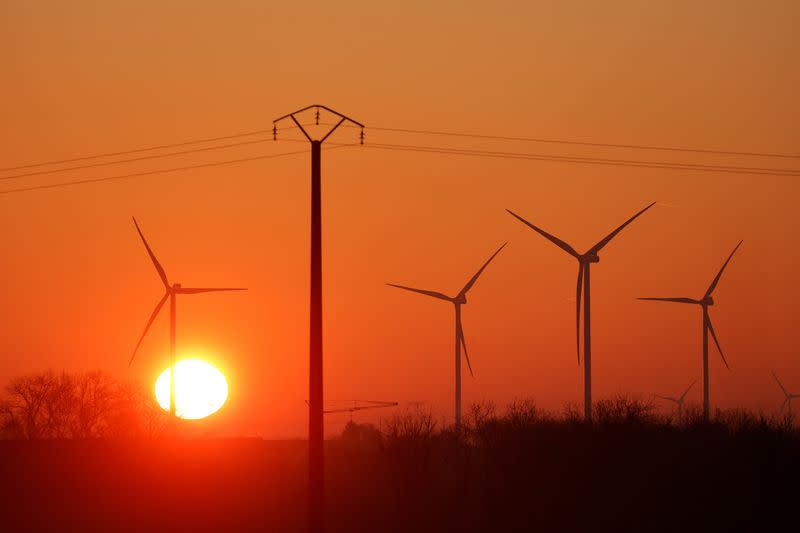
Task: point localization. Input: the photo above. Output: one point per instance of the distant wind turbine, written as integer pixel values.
(679, 400)
(584, 262)
(787, 403)
(457, 300)
(705, 303)
(172, 290)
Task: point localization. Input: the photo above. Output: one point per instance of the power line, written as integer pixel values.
(388, 129)
(435, 150)
(159, 171)
(130, 160)
(137, 150)
(586, 160)
(586, 143)
(444, 150)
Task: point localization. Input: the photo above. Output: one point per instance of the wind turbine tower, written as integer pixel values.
(787, 403)
(172, 290)
(458, 300)
(705, 302)
(585, 260)
(679, 400)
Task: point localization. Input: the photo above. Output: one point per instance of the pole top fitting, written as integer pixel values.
(317, 107)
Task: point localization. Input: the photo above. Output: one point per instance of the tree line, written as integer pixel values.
(80, 405)
(527, 469)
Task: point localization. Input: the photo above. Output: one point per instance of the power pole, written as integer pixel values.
(316, 464)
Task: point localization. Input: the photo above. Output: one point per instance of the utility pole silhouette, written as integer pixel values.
(316, 481)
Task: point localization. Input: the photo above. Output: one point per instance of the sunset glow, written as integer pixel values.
(200, 389)
(412, 266)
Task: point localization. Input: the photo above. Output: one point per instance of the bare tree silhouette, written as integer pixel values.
(26, 400)
(83, 405)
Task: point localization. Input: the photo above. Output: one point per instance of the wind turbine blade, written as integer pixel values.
(599, 246)
(472, 281)
(159, 268)
(714, 336)
(578, 311)
(149, 323)
(687, 390)
(785, 392)
(719, 274)
(676, 300)
(555, 240)
(426, 293)
(192, 290)
(464, 344)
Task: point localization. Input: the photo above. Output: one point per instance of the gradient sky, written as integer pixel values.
(91, 77)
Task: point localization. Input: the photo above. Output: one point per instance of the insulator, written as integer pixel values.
(317, 116)
(362, 135)
(274, 133)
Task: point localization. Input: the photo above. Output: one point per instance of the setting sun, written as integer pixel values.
(200, 389)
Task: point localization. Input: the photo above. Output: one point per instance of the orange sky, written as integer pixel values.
(90, 77)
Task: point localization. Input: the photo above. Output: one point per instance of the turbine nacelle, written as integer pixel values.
(461, 299)
(707, 301)
(591, 257)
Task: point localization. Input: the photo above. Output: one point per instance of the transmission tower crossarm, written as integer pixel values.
(301, 128)
(320, 106)
(333, 129)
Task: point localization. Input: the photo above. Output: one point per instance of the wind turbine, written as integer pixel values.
(458, 300)
(679, 400)
(171, 291)
(705, 303)
(789, 397)
(584, 262)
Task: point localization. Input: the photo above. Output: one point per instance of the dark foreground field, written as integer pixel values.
(522, 471)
